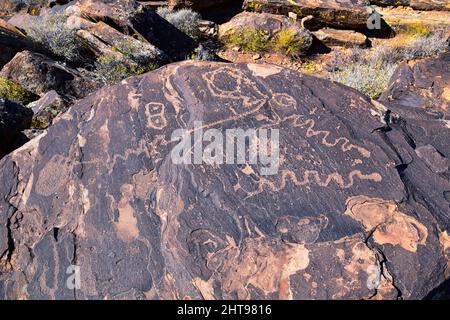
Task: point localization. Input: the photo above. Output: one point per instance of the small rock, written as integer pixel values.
(293, 16)
(256, 56)
(47, 108)
(335, 37)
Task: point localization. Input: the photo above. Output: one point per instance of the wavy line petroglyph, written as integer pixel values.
(317, 179)
(309, 124)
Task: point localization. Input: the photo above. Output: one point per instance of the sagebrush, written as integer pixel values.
(184, 20)
(370, 71)
(52, 32)
(14, 92)
(109, 69)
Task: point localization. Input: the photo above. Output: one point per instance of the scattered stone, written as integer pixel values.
(256, 56)
(424, 84)
(47, 108)
(293, 16)
(399, 18)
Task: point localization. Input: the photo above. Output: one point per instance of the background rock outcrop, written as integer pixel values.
(347, 13)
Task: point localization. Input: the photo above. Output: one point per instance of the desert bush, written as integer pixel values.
(291, 42)
(370, 71)
(184, 20)
(52, 32)
(14, 92)
(309, 66)
(249, 40)
(410, 48)
(367, 78)
(413, 29)
(109, 69)
(134, 50)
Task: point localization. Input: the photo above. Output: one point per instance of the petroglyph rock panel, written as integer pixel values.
(99, 191)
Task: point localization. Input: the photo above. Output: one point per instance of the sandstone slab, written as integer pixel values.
(346, 38)
(342, 218)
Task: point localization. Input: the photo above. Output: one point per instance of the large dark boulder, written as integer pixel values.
(338, 219)
(39, 74)
(142, 22)
(13, 119)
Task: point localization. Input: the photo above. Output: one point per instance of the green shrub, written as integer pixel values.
(370, 71)
(134, 50)
(184, 20)
(52, 32)
(111, 70)
(369, 79)
(289, 42)
(15, 92)
(249, 39)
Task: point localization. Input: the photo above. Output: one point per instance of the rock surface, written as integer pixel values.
(430, 4)
(352, 208)
(333, 13)
(13, 38)
(335, 37)
(39, 74)
(13, 119)
(129, 17)
(423, 85)
(47, 108)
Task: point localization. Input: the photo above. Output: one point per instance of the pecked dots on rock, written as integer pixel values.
(53, 176)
